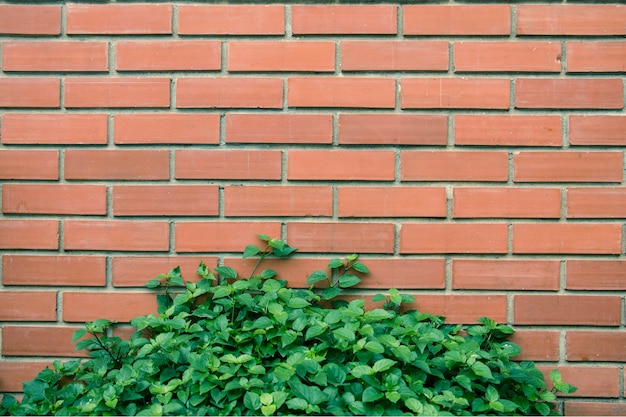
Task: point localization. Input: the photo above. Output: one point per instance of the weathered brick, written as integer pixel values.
(119, 19)
(567, 238)
(453, 166)
(568, 93)
(165, 200)
(28, 19)
(510, 202)
(578, 310)
(54, 129)
(491, 274)
(225, 92)
(453, 238)
(30, 92)
(228, 164)
(279, 128)
(54, 199)
(368, 201)
(344, 19)
(283, 200)
(231, 19)
(359, 92)
(568, 166)
(455, 93)
(340, 165)
(117, 92)
(54, 270)
(224, 236)
(392, 129)
(116, 235)
(281, 56)
(571, 19)
(507, 56)
(405, 55)
(341, 237)
(110, 164)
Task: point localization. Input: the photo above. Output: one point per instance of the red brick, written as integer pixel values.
(595, 408)
(29, 234)
(111, 235)
(81, 306)
(596, 346)
(42, 341)
(568, 167)
(596, 202)
(341, 237)
(596, 275)
(54, 270)
(461, 308)
(54, 129)
(453, 166)
(14, 373)
(30, 19)
(229, 92)
(278, 201)
(344, 19)
(366, 92)
(341, 165)
(165, 200)
(451, 93)
(294, 270)
(506, 130)
(55, 56)
(562, 238)
(117, 92)
(279, 128)
(596, 56)
(281, 56)
(187, 55)
(166, 128)
(507, 56)
(228, 19)
(135, 271)
(42, 305)
(119, 19)
(491, 274)
(392, 129)
(575, 310)
(29, 164)
(30, 92)
(591, 381)
(571, 19)
(457, 19)
(54, 199)
(402, 273)
(507, 202)
(453, 238)
(116, 164)
(597, 130)
(537, 345)
(405, 55)
(561, 93)
(221, 236)
(404, 201)
(228, 164)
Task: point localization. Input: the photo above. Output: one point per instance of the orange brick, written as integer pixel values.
(187, 55)
(392, 129)
(451, 93)
(221, 236)
(166, 128)
(351, 19)
(405, 55)
(596, 56)
(29, 234)
(116, 164)
(401, 273)
(505, 130)
(429, 19)
(55, 56)
(568, 167)
(17, 19)
(561, 93)
(597, 130)
(29, 164)
(537, 345)
(117, 92)
(30, 92)
(165, 200)
(465, 309)
(365, 92)
(281, 56)
(595, 408)
(14, 373)
(404, 201)
(42, 305)
(561, 238)
(80, 306)
(577, 310)
(42, 341)
(596, 275)
(507, 56)
(228, 19)
(596, 346)
(591, 381)
(340, 165)
(54, 199)
(571, 19)
(507, 202)
(453, 238)
(294, 270)
(229, 92)
(54, 270)
(453, 166)
(279, 128)
(135, 271)
(341, 237)
(596, 202)
(119, 19)
(54, 129)
(242, 201)
(228, 164)
(491, 274)
(112, 235)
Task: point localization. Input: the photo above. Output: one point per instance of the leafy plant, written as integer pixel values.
(227, 345)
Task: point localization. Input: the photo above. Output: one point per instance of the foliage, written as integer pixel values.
(251, 346)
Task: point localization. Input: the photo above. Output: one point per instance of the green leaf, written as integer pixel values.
(371, 394)
(335, 263)
(543, 408)
(316, 276)
(35, 390)
(330, 293)
(348, 280)
(78, 334)
(394, 296)
(297, 404)
(252, 400)
(382, 365)
(374, 347)
(226, 272)
(284, 251)
(335, 373)
(313, 331)
(379, 297)
(268, 273)
(360, 371)
(297, 302)
(414, 405)
(153, 283)
(360, 267)
(378, 315)
(491, 394)
(482, 370)
(268, 410)
(251, 250)
(263, 237)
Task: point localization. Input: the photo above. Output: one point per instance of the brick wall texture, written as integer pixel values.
(472, 152)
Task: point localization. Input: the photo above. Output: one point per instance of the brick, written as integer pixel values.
(29, 234)
(597, 130)
(42, 341)
(453, 166)
(596, 275)
(568, 167)
(505, 130)
(116, 164)
(135, 271)
(54, 129)
(116, 235)
(81, 306)
(392, 129)
(221, 236)
(341, 237)
(42, 305)
(368, 201)
(506, 202)
(402, 273)
(281, 56)
(453, 238)
(165, 200)
(55, 56)
(166, 128)
(30, 92)
(265, 93)
(537, 345)
(54, 199)
(117, 92)
(228, 164)
(451, 93)
(294, 270)
(575, 310)
(228, 19)
(596, 202)
(562, 93)
(507, 56)
(14, 373)
(595, 408)
(457, 19)
(596, 56)
(187, 55)
(596, 346)
(253, 201)
(342, 165)
(591, 381)
(344, 19)
(29, 164)
(405, 55)
(492, 274)
(466, 309)
(30, 19)
(279, 128)
(572, 238)
(54, 270)
(571, 19)
(370, 92)
(119, 19)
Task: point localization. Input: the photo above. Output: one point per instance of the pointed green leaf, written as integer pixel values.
(482, 370)
(226, 271)
(316, 276)
(382, 365)
(335, 263)
(251, 250)
(348, 280)
(360, 267)
(330, 293)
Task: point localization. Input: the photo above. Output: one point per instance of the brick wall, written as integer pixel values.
(473, 153)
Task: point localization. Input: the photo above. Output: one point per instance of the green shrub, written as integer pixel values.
(235, 346)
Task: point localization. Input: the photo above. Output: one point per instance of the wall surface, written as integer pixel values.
(472, 152)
